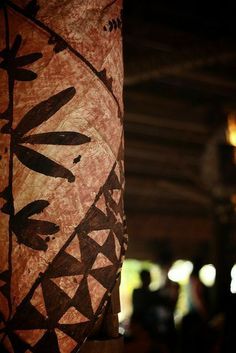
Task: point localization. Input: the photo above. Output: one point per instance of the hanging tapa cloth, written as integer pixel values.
(61, 170)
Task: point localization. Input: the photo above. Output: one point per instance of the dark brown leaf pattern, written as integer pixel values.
(59, 43)
(56, 138)
(35, 117)
(11, 63)
(32, 208)
(25, 75)
(28, 231)
(41, 164)
(44, 111)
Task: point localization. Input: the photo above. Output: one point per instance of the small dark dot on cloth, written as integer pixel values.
(77, 159)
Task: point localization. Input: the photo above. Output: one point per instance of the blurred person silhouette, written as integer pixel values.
(163, 328)
(142, 299)
(137, 338)
(153, 314)
(195, 330)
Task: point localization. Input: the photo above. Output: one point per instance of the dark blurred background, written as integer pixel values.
(180, 132)
(179, 90)
(180, 138)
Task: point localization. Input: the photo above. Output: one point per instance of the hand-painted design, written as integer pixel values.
(46, 343)
(92, 269)
(13, 64)
(16, 344)
(30, 336)
(29, 231)
(107, 81)
(72, 316)
(65, 341)
(38, 301)
(32, 8)
(113, 24)
(77, 159)
(60, 46)
(4, 288)
(35, 117)
(69, 284)
(47, 302)
(59, 43)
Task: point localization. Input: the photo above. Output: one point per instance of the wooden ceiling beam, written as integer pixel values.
(182, 108)
(158, 188)
(170, 152)
(164, 136)
(159, 122)
(211, 80)
(164, 171)
(149, 68)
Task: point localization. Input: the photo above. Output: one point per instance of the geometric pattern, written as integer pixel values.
(38, 302)
(58, 307)
(100, 236)
(73, 289)
(101, 204)
(97, 294)
(101, 261)
(64, 341)
(72, 316)
(69, 284)
(73, 249)
(55, 301)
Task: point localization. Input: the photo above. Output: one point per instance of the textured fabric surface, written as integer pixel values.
(61, 170)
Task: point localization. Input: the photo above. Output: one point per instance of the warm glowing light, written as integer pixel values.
(233, 271)
(233, 281)
(231, 131)
(233, 286)
(207, 275)
(180, 271)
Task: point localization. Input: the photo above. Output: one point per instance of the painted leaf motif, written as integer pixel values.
(28, 230)
(28, 233)
(56, 138)
(32, 208)
(24, 75)
(44, 110)
(29, 238)
(27, 59)
(16, 45)
(43, 227)
(41, 164)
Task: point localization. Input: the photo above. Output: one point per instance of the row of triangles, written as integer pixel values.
(37, 341)
(71, 292)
